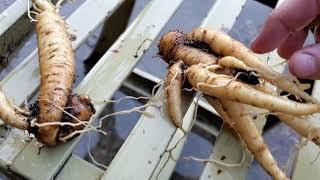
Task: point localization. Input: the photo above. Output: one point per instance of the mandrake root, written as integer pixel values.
(234, 80)
(57, 116)
(76, 115)
(57, 69)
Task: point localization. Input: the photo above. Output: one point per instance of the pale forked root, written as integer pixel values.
(243, 93)
(303, 126)
(11, 114)
(248, 132)
(224, 45)
(209, 72)
(218, 107)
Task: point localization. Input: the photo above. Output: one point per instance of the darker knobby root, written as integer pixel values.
(173, 40)
(79, 109)
(169, 42)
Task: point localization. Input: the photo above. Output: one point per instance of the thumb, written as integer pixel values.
(305, 63)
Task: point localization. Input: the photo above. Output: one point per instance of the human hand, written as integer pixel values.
(286, 29)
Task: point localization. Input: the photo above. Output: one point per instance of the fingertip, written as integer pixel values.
(303, 65)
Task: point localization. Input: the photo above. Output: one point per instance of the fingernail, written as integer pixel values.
(302, 65)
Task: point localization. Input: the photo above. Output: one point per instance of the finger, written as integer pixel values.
(290, 16)
(305, 63)
(294, 42)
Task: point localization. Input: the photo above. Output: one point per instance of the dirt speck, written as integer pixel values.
(143, 131)
(223, 157)
(115, 51)
(149, 162)
(72, 37)
(219, 171)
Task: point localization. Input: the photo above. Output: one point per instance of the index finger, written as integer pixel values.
(290, 16)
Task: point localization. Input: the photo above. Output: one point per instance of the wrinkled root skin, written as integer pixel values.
(173, 47)
(79, 106)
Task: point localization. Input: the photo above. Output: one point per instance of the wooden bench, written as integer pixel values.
(144, 155)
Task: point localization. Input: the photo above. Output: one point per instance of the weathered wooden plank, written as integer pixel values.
(142, 151)
(26, 76)
(173, 150)
(15, 17)
(12, 14)
(11, 147)
(101, 82)
(306, 165)
(79, 169)
(15, 24)
(223, 14)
